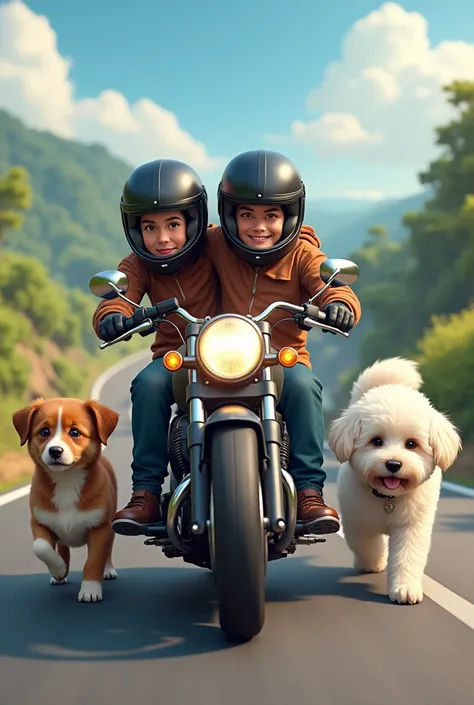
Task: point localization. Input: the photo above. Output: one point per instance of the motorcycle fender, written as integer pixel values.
(233, 415)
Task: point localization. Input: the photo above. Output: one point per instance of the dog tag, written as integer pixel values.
(388, 507)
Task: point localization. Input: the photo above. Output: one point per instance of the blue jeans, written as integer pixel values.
(152, 398)
(301, 405)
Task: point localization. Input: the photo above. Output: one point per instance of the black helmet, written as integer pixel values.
(260, 177)
(165, 184)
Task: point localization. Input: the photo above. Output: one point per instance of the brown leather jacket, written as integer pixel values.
(295, 278)
(196, 288)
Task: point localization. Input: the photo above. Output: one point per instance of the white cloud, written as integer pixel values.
(35, 86)
(383, 98)
(336, 128)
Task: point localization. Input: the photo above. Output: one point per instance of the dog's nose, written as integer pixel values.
(55, 452)
(393, 465)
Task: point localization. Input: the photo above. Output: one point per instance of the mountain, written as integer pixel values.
(342, 240)
(342, 224)
(74, 226)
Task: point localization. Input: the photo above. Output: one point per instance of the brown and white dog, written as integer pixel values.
(73, 494)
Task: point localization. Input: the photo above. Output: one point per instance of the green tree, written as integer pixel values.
(14, 368)
(381, 263)
(378, 233)
(15, 197)
(442, 236)
(420, 303)
(75, 217)
(447, 365)
(69, 380)
(432, 272)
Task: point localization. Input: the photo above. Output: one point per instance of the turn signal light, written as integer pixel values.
(288, 357)
(173, 360)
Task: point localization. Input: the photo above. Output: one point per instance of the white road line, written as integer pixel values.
(449, 601)
(456, 605)
(14, 494)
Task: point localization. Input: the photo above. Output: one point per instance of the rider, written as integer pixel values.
(271, 257)
(164, 215)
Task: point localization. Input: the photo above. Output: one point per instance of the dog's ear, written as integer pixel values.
(105, 419)
(344, 433)
(23, 418)
(444, 439)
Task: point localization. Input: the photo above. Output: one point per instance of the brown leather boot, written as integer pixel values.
(314, 513)
(143, 509)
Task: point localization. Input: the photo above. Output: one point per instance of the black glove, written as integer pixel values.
(340, 316)
(111, 327)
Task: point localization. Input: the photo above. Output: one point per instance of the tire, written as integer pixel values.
(238, 533)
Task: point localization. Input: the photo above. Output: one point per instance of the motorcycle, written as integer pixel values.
(232, 503)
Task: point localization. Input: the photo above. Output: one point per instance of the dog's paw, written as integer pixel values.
(60, 581)
(110, 573)
(406, 593)
(369, 567)
(53, 561)
(60, 573)
(91, 591)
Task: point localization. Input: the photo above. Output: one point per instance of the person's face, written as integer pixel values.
(163, 233)
(260, 226)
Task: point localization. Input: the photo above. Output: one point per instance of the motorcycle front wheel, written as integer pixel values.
(238, 538)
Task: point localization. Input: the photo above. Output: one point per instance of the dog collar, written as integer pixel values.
(389, 506)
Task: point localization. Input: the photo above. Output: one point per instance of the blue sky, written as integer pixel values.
(234, 74)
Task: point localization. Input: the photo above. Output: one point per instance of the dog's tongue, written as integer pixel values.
(391, 483)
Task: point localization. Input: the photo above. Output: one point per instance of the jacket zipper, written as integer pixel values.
(254, 289)
(180, 288)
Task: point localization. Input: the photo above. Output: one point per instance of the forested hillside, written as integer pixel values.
(66, 226)
(47, 348)
(74, 226)
(47, 345)
(418, 294)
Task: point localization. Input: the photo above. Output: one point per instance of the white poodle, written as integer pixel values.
(393, 446)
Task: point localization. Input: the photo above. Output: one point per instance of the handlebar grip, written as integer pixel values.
(314, 312)
(138, 316)
(129, 323)
(167, 306)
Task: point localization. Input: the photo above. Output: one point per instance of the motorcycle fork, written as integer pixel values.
(271, 476)
(199, 471)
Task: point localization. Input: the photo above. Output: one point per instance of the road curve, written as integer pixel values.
(331, 636)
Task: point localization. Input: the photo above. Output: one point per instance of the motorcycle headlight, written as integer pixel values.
(230, 348)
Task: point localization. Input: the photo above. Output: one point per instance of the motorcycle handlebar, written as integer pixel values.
(151, 313)
(167, 306)
(143, 318)
(129, 324)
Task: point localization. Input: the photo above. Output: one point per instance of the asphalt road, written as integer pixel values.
(331, 636)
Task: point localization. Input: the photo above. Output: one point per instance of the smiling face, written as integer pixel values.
(394, 439)
(62, 433)
(163, 233)
(393, 454)
(260, 227)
